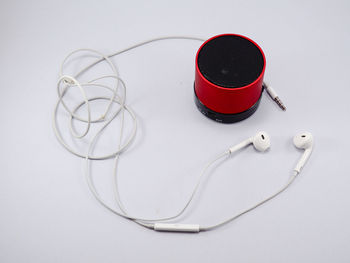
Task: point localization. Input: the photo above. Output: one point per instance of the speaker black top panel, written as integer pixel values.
(230, 61)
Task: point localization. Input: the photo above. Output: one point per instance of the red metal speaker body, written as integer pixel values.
(229, 77)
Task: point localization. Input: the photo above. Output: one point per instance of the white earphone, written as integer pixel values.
(260, 141)
(303, 141)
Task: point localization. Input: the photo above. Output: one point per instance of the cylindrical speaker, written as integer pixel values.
(229, 77)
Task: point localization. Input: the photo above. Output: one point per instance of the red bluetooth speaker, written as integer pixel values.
(229, 77)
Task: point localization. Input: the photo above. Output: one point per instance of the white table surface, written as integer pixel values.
(47, 212)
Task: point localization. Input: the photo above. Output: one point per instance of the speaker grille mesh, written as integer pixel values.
(230, 61)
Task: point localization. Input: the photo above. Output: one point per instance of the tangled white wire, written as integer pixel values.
(118, 98)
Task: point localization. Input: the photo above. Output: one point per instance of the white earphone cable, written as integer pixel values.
(67, 82)
(291, 180)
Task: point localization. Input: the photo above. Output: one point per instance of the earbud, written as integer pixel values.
(261, 142)
(303, 141)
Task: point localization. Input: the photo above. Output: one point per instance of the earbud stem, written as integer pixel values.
(303, 160)
(241, 145)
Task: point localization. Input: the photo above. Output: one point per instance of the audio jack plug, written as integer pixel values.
(274, 96)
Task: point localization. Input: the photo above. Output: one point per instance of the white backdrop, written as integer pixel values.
(47, 212)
